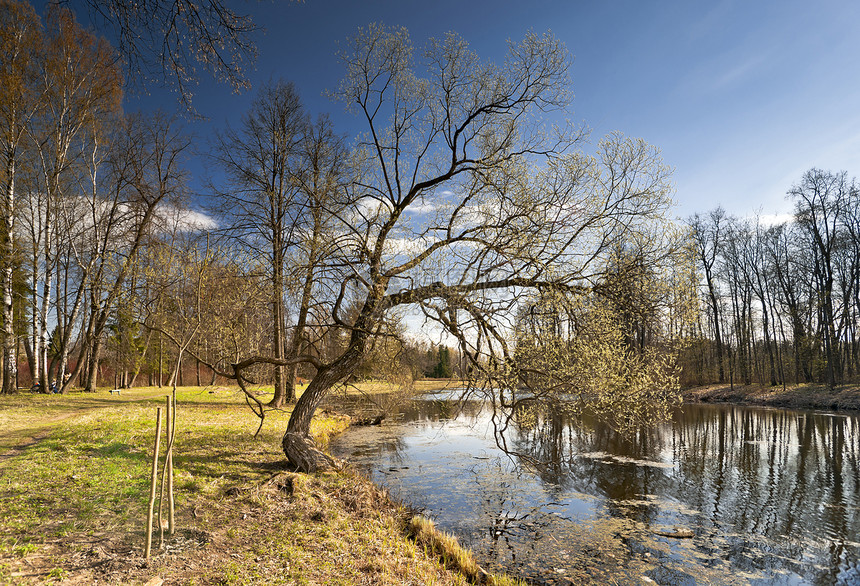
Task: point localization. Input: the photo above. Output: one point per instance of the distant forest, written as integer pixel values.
(780, 303)
(310, 254)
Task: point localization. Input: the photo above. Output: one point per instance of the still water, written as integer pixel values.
(719, 495)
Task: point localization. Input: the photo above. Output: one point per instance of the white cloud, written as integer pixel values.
(408, 246)
(192, 220)
(422, 208)
(768, 220)
(186, 220)
(368, 206)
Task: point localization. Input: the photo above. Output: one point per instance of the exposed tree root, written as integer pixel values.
(305, 456)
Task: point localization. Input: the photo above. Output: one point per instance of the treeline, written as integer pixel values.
(315, 256)
(109, 279)
(83, 187)
(780, 302)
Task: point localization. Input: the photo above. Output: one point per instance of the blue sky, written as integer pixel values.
(742, 97)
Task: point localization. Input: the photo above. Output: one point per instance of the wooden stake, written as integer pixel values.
(158, 520)
(171, 434)
(148, 550)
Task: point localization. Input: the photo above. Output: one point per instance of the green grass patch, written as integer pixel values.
(74, 489)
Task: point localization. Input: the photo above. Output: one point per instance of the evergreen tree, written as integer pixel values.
(443, 366)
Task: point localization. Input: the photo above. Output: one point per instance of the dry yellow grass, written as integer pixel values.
(73, 492)
(453, 554)
(801, 396)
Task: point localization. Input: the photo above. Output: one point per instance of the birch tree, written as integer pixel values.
(20, 97)
(82, 91)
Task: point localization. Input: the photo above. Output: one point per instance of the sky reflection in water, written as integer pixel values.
(768, 496)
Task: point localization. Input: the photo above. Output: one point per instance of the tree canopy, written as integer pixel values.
(548, 261)
(465, 201)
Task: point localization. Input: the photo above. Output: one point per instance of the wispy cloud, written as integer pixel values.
(738, 72)
(408, 246)
(730, 70)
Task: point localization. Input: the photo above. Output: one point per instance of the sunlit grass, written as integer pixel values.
(452, 553)
(85, 480)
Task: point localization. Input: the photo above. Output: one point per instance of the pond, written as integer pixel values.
(719, 495)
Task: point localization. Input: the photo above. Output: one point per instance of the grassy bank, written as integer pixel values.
(74, 488)
(804, 396)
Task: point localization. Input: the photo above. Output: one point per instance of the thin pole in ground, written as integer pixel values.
(167, 472)
(152, 485)
(171, 434)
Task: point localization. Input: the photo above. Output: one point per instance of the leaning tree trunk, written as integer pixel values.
(305, 456)
(297, 443)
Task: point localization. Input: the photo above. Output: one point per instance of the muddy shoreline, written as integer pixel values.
(806, 396)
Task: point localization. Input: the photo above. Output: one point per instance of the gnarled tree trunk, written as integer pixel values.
(297, 444)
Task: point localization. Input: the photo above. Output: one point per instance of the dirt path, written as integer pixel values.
(27, 419)
(29, 442)
(16, 442)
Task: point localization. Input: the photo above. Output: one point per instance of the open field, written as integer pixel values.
(74, 473)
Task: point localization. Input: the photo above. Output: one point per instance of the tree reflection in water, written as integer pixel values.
(768, 494)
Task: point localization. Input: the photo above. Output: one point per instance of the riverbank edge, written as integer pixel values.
(804, 396)
(421, 530)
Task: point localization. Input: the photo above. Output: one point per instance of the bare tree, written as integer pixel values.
(315, 265)
(820, 206)
(850, 278)
(758, 274)
(167, 42)
(786, 262)
(464, 201)
(284, 184)
(259, 160)
(707, 236)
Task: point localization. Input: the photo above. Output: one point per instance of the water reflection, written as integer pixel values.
(720, 494)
